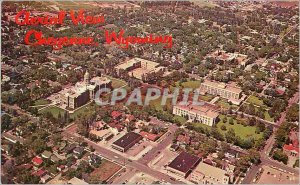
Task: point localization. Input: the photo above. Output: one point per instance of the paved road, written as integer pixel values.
(167, 140)
(122, 160)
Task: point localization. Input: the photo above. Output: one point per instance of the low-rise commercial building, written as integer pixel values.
(207, 174)
(183, 164)
(126, 141)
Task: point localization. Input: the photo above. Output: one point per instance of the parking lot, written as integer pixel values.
(270, 175)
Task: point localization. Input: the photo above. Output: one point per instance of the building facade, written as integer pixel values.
(138, 67)
(207, 174)
(221, 89)
(82, 92)
(197, 113)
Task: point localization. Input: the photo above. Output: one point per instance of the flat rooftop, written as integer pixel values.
(127, 139)
(184, 162)
(222, 85)
(201, 110)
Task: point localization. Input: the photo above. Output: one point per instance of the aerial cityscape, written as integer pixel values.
(150, 92)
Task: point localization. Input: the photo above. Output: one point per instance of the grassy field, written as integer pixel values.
(182, 120)
(41, 102)
(105, 170)
(86, 109)
(83, 110)
(116, 83)
(189, 84)
(258, 102)
(223, 103)
(157, 103)
(268, 117)
(255, 101)
(53, 110)
(206, 97)
(240, 130)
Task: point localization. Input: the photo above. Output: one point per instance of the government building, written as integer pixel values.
(195, 113)
(138, 67)
(228, 91)
(83, 92)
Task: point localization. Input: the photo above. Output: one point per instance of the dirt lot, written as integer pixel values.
(274, 176)
(105, 170)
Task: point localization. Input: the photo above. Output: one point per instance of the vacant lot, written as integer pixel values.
(106, 170)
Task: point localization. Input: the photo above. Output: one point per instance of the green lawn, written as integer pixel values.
(258, 102)
(206, 97)
(116, 83)
(240, 130)
(268, 117)
(53, 110)
(182, 120)
(255, 100)
(86, 109)
(157, 103)
(190, 84)
(41, 102)
(223, 103)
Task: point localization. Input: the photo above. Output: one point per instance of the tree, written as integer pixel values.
(231, 121)
(223, 127)
(282, 134)
(279, 155)
(225, 119)
(230, 136)
(25, 176)
(293, 113)
(5, 122)
(254, 156)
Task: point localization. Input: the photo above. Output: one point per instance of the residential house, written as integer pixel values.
(78, 152)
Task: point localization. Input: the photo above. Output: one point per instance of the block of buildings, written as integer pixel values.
(208, 174)
(183, 164)
(126, 141)
(78, 95)
(197, 113)
(228, 91)
(138, 67)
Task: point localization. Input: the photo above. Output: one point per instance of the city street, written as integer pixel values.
(139, 165)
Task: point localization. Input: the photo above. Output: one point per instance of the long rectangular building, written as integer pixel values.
(201, 114)
(223, 90)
